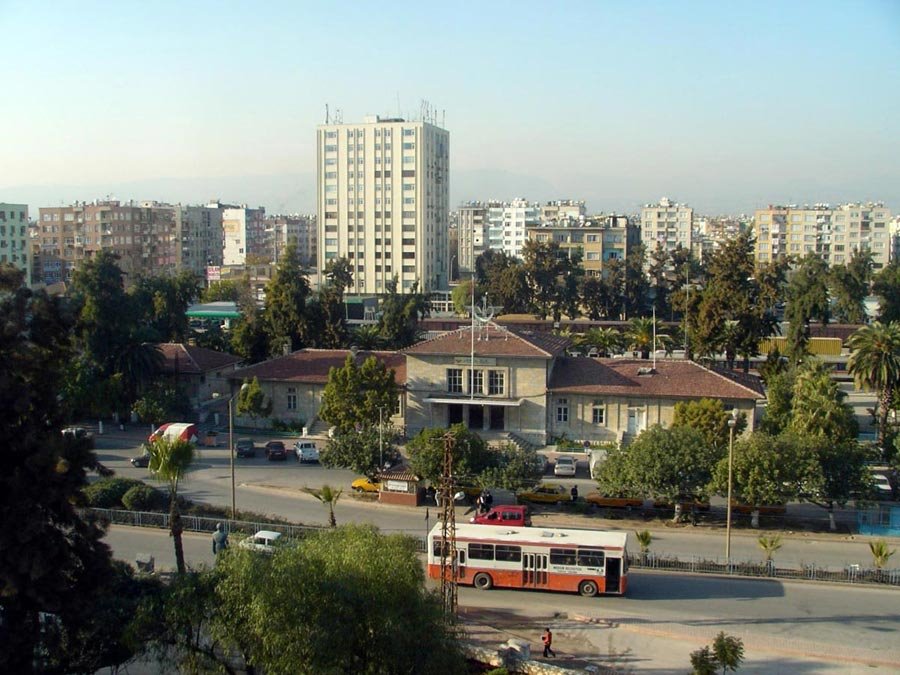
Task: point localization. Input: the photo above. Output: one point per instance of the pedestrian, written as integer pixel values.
(479, 504)
(574, 493)
(219, 539)
(547, 639)
(488, 500)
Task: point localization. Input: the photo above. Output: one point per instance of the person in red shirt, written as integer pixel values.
(547, 639)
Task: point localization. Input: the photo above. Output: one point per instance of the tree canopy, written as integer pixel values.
(354, 394)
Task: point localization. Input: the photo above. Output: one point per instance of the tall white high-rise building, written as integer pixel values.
(383, 191)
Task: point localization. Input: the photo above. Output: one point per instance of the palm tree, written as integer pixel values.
(368, 337)
(644, 539)
(607, 340)
(880, 553)
(640, 336)
(875, 364)
(329, 497)
(170, 460)
(770, 545)
(139, 363)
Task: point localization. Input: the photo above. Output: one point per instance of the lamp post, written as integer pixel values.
(380, 443)
(231, 445)
(731, 424)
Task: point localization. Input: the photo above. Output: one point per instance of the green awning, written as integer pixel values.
(214, 310)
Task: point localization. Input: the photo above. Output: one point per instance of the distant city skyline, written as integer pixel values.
(726, 107)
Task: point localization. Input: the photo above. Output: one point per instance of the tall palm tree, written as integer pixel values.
(368, 337)
(329, 497)
(875, 365)
(139, 363)
(607, 340)
(640, 334)
(169, 462)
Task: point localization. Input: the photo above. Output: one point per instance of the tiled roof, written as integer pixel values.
(191, 360)
(311, 366)
(672, 379)
(398, 473)
(493, 340)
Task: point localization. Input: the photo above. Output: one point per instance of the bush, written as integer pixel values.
(288, 425)
(144, 498)
(107, 493)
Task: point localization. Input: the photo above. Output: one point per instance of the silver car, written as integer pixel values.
(565, 466)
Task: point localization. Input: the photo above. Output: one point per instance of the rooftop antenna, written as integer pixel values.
(399, 114)
(327, 117)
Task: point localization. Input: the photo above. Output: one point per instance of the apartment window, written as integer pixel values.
(331, 188)
(409, 146)
(330, 174)
(454, 380)
(331, 147)
(291, 398)
(330, 134)
(409, 132)
(598, 413)
(496, 383)
(409, 160)
(476, 381)
(409, 200)
(331, 242)
(562, 410)
(409, 187)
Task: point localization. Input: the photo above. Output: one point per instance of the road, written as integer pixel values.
(786, 627)
(274, 488)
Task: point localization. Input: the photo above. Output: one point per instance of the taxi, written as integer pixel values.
(545, 493)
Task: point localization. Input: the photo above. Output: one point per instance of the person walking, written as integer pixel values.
(574, 493)
(547, 639)
(219, 539)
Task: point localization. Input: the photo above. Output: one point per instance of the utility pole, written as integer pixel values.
(449, 566)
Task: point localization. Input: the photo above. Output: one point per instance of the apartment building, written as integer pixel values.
(563, 210)
(667, 224)
(598, 239)
(294, 229)
(197, 237)
(15, 240)
(140, 236)
(471, 233)
(508, 225)
(383, 202)
(244, 233)
(833, 233)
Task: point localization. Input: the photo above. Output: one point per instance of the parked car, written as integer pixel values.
(882, 486)
(565, 466)
(546, 493)
(508, 516)
(77, 432)
(275, 450)
(598, 499)
(142, 460)
(245, 447)
(264, 541)
(365, 485)
(306, 451)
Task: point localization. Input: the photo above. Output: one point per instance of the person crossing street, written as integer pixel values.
(547, 639)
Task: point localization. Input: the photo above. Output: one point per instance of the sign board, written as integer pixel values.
(396, 486)
(213, 273)
(479, 361)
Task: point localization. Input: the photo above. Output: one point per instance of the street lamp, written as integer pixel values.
(380, 437)
(231, 442)
(731, 424)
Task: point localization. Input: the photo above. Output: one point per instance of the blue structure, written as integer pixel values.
(881, 521)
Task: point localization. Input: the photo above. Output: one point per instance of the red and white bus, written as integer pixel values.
(589, 562)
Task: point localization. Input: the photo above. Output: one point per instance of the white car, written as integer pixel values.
(264, 541)
(306, 451)
(882, 485)
(565, 466)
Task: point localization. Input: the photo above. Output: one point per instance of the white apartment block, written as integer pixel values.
(15, 241)
(832, 233)
(471, 232)
(508, 223)
(666, 224)
(383, 202)
(244, 233)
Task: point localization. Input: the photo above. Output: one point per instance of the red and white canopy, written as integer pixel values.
(184, 431)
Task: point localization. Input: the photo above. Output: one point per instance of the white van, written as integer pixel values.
(306, 451)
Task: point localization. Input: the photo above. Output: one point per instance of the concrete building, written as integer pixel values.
(599, 239)
(667, 224)
(383, 202)
(15, 239)
(198, 237)
(294, 229)
(832, 233)
(508, 225)
(471, 233)
(563, 210)
(244, 232)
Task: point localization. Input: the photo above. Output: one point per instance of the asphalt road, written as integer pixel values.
(786, 627)
(274, 488)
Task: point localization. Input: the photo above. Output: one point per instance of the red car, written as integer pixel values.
(275, 450)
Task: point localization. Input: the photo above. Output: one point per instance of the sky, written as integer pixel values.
(727, 106)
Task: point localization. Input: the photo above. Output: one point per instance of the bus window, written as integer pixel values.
(481, 551)
(588, 557)
(562, 556)
(509, 553)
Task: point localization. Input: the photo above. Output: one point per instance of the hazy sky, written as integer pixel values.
(728, 106)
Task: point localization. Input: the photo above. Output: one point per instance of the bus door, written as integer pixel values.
(534, 570)
(613, 574)
(460, 563)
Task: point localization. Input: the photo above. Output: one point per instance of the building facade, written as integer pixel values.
(508, 225)
(244, 233)
(15, 239)
(198, 237)
(471, 235)
(598, 239)
(300, 230)
(667, 225)
(833, 233)
(383, 202)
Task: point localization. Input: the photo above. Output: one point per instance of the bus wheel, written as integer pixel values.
(588, 589)
(483, 582)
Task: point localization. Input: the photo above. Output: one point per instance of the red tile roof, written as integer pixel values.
(672, 379)
(311, 366)
(191, 360)
(493, 340)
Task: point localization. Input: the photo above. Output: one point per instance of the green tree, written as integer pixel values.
(502, 278)
(886, 285)
(163, 402)
(252, 401)
(709, 417)
(770, 544)
(644, 539)
(660, 285)
(227, 290)
(350, 619)
(400, 315)
(286, 296)
(641, 334)
(161, 304)
(818, 408)
(729, 651)
(875, 365)
(664, 464)
(608, 341)
(779, 401)
(367, 337)
(339, 273)
(170, 460)
(329, 496)
(52, 561)
(552, 278)
(636, 287)
(138, 365)
(703, 662)
(354, 394)
(471, 456)
(462, 297)
(881, 553)
(807, 299)
(362, 451)
(249, 337)
(515, 468)
(849, 285)
(843, 474)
